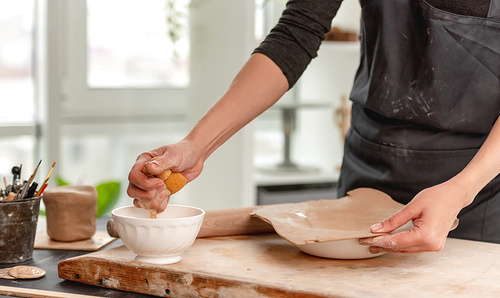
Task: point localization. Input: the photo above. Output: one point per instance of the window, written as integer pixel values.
(111, 83)
(17, 101)
(137, 43)
(118, 60)
(16, 44)
(124, 85)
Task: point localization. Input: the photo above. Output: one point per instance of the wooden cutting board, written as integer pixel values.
(268, 266)
(96, 242)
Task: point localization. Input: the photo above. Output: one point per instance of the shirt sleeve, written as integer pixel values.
(296, 39)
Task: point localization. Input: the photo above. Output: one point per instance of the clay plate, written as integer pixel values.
(347, 249)
(332, 228)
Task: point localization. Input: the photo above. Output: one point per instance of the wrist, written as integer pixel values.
(199, 144)
(466, 186)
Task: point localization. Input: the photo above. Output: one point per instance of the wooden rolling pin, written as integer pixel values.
(222, 222)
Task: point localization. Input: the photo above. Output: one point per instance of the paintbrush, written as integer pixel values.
(27, 185)
(43, 185)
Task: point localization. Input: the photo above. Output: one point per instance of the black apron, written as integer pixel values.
(425, 97)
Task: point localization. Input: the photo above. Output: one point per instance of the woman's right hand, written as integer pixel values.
(258, 85)
(151, 192)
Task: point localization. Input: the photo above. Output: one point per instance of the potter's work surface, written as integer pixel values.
(268, 266)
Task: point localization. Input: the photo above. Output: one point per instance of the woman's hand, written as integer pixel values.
(433, 212)
(180, 157)
(258, 85)
(434, 209)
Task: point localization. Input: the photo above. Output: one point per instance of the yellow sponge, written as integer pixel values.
(173, 181)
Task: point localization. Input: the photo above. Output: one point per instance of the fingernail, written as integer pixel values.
(363, 241)
(376, 227)
(154, 163)
(376, 250)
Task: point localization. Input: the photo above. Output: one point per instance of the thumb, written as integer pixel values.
(395, 221)
(156, 165)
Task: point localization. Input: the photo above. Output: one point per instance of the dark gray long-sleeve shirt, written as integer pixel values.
(295, 40)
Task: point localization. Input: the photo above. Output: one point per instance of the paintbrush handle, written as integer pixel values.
(40, 192)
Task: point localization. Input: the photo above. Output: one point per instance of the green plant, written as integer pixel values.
(107, 195)
(173, 21)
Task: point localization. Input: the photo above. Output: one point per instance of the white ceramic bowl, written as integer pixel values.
(161, 240)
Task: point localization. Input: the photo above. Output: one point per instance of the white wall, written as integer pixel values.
(318, 141)
(327, 79)
(222, 38)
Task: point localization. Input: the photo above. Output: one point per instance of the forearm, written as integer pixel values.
(483, 167)
(258, 85)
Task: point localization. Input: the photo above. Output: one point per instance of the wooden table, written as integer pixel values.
(268, 266)
(48, 259)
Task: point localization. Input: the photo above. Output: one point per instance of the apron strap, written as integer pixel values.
(494, 12)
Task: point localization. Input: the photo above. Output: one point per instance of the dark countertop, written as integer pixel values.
(49, 259)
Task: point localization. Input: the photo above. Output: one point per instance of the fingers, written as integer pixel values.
(160, 202)
(140, 186)
(157, 201)
(395, 221)
(412, 241)
(153, 166)
(151, 171)
(432, 212)
(140, 183)
(164, 201)
(148, 191)
(167, 160)
(417, 239)
(145, 194)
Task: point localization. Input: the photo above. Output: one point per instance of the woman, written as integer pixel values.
(426, 98)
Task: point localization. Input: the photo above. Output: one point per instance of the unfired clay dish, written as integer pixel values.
(332, 228)
(343, 249)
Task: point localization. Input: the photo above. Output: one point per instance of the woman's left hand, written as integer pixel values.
(433, 212)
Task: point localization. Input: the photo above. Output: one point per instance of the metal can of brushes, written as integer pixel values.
(18, 222)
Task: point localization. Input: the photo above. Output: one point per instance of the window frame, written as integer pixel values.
(78, 100)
